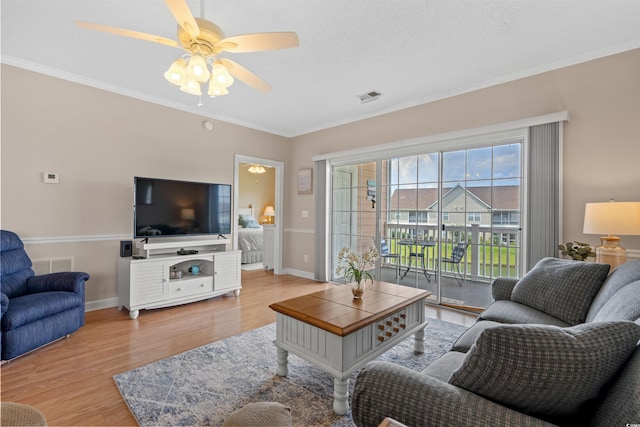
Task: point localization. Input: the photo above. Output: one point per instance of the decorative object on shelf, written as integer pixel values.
(194, 269)
(305, 181)
(202, 42)
(355, 268)
(577, 250)
(269, 212)
(612, 218)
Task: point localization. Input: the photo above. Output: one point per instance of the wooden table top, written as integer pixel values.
(336, 311)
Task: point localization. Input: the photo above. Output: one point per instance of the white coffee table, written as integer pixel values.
(340, 334)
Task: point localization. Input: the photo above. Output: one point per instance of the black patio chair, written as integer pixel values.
(457, 254)
(385, 254)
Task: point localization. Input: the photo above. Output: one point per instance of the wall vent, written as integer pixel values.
(52, 265)
(369, 96)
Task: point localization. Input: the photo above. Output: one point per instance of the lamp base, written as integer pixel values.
(610, 252)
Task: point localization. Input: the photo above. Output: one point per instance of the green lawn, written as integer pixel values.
(500, 260)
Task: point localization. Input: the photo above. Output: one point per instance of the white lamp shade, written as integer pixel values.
(191, 87)
(220, 75)
(612, 218)
(216, 90)
(197, 69)
(177, 72)
(269, 211)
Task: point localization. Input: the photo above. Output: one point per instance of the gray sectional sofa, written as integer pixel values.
(560, 346)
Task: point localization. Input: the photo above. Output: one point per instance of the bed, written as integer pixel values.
(249, 236)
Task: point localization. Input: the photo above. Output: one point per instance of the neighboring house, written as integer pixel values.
(497, 206)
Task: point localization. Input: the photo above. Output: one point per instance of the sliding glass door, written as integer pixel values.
(447, 221)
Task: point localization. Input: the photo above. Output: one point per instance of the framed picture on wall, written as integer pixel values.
(305, 181)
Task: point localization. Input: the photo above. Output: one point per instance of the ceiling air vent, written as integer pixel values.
(370, 96)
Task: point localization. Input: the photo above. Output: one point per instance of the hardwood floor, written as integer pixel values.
(70, 381)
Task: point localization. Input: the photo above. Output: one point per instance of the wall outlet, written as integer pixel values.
(306, 258)
(305, 214)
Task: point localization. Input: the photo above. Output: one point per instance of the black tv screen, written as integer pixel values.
(166, 208)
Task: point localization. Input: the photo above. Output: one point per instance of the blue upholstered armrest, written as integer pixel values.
(67, 281)
(4, 303)
(502, 287)
(385, 389)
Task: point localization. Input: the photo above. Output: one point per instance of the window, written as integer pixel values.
(473, 217)
(421, 216)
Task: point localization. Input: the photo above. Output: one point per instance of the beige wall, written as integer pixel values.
(601, 142)
(98, 141)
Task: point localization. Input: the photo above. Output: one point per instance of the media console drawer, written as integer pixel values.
(190, 286)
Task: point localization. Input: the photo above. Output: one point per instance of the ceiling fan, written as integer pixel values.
(203, 41)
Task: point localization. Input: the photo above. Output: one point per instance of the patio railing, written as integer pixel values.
(494, 251)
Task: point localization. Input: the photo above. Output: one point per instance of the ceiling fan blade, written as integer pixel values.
(127, 33)
(246, 76)
(260, 41)
(183, 15)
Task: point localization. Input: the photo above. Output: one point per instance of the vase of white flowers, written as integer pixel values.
(355, 266)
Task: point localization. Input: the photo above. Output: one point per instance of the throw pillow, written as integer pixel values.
(562, 288)
(244, 220)
(546, 370)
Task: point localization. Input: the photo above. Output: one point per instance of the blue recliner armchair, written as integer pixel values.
(35, 310)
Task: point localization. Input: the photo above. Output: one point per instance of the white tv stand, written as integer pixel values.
(162, 278)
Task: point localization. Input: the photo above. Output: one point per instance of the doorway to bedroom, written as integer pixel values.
(257, 208)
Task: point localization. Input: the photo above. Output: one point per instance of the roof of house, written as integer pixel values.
(505, 197)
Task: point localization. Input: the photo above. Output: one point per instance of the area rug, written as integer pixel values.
(202, 386)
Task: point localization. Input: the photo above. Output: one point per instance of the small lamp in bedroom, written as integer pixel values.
(610, 218)
(269, 212)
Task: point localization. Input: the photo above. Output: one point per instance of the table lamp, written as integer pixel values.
(269, 212)
(612, 218)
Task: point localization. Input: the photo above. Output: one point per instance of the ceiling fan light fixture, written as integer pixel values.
(197, 69)
(256, 169)
(220, 75)
(216, 90)
(177, 72)
(192, 87)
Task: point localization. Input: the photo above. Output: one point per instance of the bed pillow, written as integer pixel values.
(543, 369)
(248, 221)
(562, 288)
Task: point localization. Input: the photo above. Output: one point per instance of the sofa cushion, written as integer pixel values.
(444, 366)
(623, 305)
(30, 308)
(546, 370)
(470, 336)
(621, 399)
(514, 312)
(562, 288)
(620, 277)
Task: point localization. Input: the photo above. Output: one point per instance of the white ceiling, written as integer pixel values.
(412, 51)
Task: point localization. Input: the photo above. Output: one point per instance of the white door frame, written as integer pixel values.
(279, 167)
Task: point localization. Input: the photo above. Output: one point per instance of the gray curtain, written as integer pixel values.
(320, 196)
(543, 232)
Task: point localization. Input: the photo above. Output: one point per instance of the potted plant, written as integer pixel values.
(577, 250)
(354, 266)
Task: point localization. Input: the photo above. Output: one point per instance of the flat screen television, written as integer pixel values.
(168, 208)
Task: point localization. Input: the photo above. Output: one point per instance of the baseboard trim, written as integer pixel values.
(100, 304)
(299, 273)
